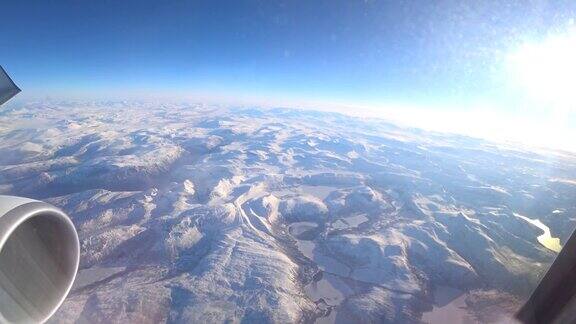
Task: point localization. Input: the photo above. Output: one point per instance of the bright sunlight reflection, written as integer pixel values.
(546, 70)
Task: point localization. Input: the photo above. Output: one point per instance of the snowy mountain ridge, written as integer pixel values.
(197, 213)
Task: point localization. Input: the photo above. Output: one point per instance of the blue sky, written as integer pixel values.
(431, 54)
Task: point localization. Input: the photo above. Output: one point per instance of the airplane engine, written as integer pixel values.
(39, 257)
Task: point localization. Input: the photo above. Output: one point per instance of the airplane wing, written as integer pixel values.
(8, 88)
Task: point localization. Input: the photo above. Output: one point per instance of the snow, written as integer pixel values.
(197, 213)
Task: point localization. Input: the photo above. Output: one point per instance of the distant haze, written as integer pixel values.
(439, 65)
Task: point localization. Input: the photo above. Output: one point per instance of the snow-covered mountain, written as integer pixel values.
(203, 214)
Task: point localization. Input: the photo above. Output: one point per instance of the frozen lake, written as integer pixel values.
(330, 289)
(449, 307)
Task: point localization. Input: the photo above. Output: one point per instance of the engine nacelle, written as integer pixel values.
(39, 257)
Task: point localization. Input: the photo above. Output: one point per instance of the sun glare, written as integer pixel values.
(546, 70)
